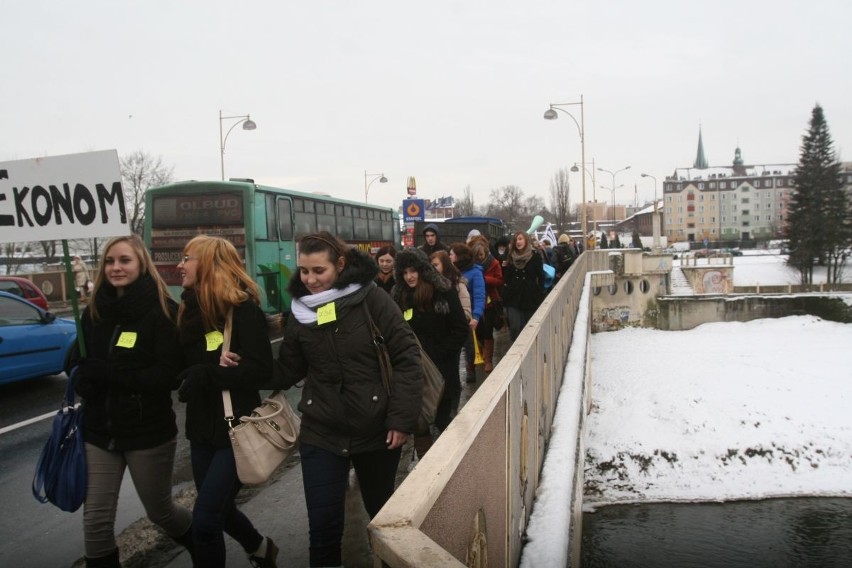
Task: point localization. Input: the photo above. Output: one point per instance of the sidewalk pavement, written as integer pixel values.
(279, 512)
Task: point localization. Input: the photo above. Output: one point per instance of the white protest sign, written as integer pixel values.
(62, 197)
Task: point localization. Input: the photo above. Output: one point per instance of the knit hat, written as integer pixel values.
(431, 227)
(473, 233)
(564, 239)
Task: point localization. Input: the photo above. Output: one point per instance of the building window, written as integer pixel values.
(712, 185)
(756, 183)
(712, 219)
(745, 200)
(700, 186)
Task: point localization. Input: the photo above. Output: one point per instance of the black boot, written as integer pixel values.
(108, 561)
(185, 540)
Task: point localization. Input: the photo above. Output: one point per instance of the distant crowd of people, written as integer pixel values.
(141, 345)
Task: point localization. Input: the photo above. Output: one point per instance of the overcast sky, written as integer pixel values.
(449, 92)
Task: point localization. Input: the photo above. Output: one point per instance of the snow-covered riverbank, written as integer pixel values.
(724, 411)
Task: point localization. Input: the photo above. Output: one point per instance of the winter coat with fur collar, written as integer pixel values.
(345, 407)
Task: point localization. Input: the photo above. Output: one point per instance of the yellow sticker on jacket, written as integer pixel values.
(214, 340)
(326, 314)
(127, 339)
(408, 314)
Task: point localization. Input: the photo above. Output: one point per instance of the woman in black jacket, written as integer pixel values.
(126, 382)
(430, 304)
(523, 283)
(348, 417)
(215, 283)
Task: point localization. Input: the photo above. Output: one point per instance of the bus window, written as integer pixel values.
(285, 222)
(375, 227)
(325, 217)
(345, 223)
(361, 230)
(387, 226)
(271, 225)
(264, 217)
(305, 224)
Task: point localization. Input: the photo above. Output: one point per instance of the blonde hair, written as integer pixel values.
(221, 281)
(146, 266)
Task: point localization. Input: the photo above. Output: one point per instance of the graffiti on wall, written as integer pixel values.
(714, 282)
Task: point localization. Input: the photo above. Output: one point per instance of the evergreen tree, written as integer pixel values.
(637, 241)
(818, 224)
(604, 244)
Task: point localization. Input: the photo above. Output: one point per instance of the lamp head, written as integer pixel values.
(644, 175)
(550, 114)
(383, 179)
(249, 124)
(574, 168)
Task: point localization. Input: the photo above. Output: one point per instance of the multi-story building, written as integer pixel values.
(730, 203)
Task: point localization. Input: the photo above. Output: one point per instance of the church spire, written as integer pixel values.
(700, 160)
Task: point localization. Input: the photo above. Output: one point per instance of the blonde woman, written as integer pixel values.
(126, 382)
(215, 283)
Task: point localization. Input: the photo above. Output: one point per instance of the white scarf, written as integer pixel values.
(305, 308)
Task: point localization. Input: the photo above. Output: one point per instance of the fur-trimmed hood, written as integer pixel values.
(360, 269)
(417, 259)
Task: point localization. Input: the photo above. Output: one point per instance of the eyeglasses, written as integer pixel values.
(187, 258)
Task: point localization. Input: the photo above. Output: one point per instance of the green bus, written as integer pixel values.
(264, 223)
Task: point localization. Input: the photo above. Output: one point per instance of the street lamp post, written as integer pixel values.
(248, 124)
(551, 114)
(381, 177)
(591, 174)
(613, 188)
(655, 219)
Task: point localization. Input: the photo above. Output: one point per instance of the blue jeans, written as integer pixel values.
(215, 512)
(325, 476)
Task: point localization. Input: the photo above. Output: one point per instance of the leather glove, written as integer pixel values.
(193, 381)
(91, 377)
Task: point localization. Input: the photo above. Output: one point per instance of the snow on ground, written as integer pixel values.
(768, 268)
(724, 411)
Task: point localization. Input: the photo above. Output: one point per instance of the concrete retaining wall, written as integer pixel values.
(677, 313)
(468, 501)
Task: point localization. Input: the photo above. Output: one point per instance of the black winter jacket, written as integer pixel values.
(205, 423)
(345, 407)
(128, 403)
(523, 289)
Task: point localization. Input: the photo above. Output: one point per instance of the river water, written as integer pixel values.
(778, 533)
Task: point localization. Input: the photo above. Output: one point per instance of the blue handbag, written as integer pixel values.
(60, 475)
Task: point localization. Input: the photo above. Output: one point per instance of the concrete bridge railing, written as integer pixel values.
(469, 500)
